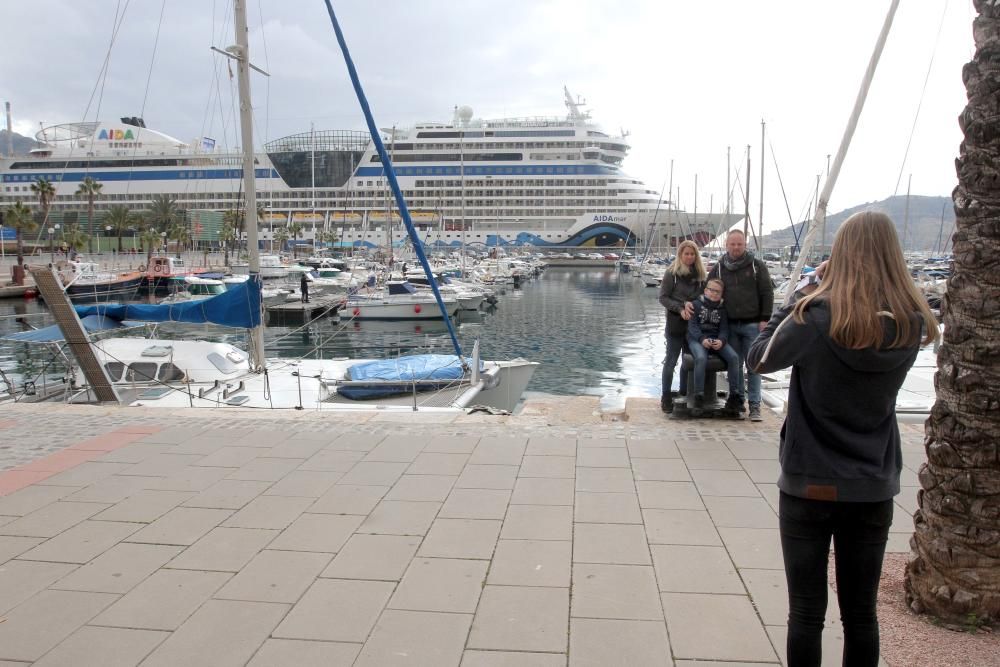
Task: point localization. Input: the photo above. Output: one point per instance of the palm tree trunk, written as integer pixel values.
(954, 571)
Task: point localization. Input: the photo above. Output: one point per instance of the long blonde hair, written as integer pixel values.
(865, 280)
(679, 268)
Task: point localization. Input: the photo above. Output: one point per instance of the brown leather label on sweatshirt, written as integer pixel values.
(821, 492)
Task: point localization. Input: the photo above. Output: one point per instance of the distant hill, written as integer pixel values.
(22, 144)
(922, 228)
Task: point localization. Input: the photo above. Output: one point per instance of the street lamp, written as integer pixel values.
(52, 250)
(163, 241)
(107, 233)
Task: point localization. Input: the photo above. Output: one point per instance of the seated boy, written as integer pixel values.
(708, 331)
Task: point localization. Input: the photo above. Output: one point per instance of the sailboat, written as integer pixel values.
(194, 373)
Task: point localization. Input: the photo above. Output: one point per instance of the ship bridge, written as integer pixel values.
(330, 155)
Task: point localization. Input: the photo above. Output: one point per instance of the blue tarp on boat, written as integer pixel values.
(238, 307)
(52, 334)
(392, 376)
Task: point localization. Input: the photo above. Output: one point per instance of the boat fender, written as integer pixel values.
(416, 308)
(356, 312)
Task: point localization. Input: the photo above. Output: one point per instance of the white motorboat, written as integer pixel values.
(398, 300)
(271, 267)
(193, 288)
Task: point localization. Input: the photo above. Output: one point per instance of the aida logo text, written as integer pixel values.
(115, 135)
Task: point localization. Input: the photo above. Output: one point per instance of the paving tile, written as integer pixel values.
(164, 600)
(275, 576)
(137, 452)
(103, 647)
(440, 584)
(118, 569)
(710, 459)
(512, 659)
(144, 506)
(15, 480)
(737, 512)
(762, 471)
(602, 457)
(229, 457)
(600, 441)
(461, 538)
(260, 437)
(357, 442)
(749, 449)
(294, 448)
(332, 461)
(603, 642)
(336, 610)
(4, 520)
(400, 517)
(434, 463)
(266, 470)
(607, 508)
(349, 499)
(497, 455)
(304, 483)
(20, 579)
(85, 473)
(605, 480)
(549, 446)
(660, 470)
(191, 478)
(15, 546)
(621, 544)
(543, 491)
(286, 652)
(395, 451)
(475, 504)
(699, 444)
(724, 483)
(229, 494)
(432, 488)
(161, 465)
(548, 466)
(615, 591)
(754, 547)
(52, 519)
(531, 563)
(521, 618)
(110, 490)
(200, 445)
(452, 444)
(181, 525)
(715, 627)
(769, 594)
(82, 542)
(34, 627)
(175, 434)
(487, 477)
(653, 449)
(318, 533)
(538, 522)
(695, 569)
(224, 549)
(417, 639)
(373, 557)
(32, 498)
(680, 527)
(274, 512)
(832, 643)
(374, 473)
(221, 633)
(669, 496)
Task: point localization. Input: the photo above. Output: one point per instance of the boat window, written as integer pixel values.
(140, 371)
(114, 369)
(225, 364)
(169, 372)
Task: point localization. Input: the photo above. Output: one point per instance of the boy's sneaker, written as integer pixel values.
(699, 405)
(734, 403)
(755, 413)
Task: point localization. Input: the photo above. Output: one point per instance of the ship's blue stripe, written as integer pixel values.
(159, 175)
(535, 170)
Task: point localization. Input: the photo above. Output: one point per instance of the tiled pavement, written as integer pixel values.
(255, 538)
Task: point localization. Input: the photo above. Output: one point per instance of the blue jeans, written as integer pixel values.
(859, 532)
(675, 343)
(741, 337)
(700, 354)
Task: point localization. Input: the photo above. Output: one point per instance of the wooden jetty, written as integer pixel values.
(296, 312)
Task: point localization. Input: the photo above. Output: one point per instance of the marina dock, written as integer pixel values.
(561, 535)
(296, 312)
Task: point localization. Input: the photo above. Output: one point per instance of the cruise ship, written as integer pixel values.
(547, 182)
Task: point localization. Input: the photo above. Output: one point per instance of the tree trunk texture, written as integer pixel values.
(954, 568)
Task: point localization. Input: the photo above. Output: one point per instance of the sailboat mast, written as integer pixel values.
(242, 54)
(760, 211)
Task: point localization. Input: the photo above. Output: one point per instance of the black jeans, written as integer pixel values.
(859, 532)
(675, 346)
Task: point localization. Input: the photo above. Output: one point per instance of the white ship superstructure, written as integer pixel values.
(541, 181)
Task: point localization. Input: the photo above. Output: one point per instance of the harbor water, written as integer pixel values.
(595, 331)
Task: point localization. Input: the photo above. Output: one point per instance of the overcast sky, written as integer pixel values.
(686, 78)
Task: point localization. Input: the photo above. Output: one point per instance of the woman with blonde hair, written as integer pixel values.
(850, 342)
(682, 283)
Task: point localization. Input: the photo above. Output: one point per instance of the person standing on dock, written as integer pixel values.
(682, 283)
(304, 288)
(749, 302)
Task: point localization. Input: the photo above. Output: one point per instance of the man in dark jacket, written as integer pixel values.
(749, 301)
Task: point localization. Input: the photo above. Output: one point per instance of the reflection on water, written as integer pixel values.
(595, 332)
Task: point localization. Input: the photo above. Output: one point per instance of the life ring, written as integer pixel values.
(356, 311)
(142, 268)
(157, 268)
(416, 308)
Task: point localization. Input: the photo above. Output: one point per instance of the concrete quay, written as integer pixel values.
(559, 536)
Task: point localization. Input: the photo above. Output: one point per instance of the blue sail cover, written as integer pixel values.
(388, 377)
(52, 334)
(239, 307)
